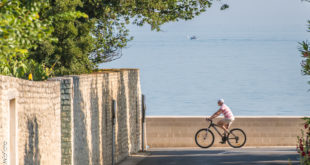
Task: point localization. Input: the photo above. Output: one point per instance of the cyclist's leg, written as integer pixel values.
(222, 123)
(225, 128)
(226, 125)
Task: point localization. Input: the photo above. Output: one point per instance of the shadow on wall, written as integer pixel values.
(81, 150)
(32, 152)
(105, 122)
(122, 145)
(133, 118)
(94, 110)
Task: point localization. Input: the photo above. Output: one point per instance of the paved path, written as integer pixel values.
(216, 156)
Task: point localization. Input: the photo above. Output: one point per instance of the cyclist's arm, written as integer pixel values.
(216, 114)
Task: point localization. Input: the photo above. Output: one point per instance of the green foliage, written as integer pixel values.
(225, 6)
(303, 144)
(305, 52)
(20, 29)
(73, 30)
(88, 41)
(307, 120)
(61, 37)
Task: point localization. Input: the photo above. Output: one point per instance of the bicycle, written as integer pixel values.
(204, 137)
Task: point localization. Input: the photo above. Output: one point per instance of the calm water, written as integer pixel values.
(256, 70)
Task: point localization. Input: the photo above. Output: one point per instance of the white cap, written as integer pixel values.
(221, 100)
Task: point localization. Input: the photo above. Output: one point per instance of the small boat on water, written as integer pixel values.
(193, 38)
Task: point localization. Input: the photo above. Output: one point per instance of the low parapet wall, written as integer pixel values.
(261, 131)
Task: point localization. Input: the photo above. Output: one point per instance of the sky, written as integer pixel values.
(248, 15)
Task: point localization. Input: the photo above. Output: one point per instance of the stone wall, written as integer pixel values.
(67, 120)
(261, 131)
(37, 121)
(92, 113)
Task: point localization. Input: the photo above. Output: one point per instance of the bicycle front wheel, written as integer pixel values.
(204, 138)
(236, 138)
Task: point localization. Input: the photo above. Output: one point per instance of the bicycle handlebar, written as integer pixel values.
(210, 120)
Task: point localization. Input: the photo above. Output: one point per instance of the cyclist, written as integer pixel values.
(226, 121)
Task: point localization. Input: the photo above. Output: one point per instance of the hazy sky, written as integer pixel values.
(248, 16)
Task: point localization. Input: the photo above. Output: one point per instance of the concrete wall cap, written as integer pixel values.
(222, 116)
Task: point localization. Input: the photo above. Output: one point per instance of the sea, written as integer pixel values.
(254, 65)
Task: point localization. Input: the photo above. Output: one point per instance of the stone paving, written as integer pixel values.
(216, 156)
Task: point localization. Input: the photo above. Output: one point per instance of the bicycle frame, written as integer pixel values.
(214, 127)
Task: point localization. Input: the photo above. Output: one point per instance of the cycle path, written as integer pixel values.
(215, 156)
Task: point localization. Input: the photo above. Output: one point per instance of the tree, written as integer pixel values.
(83, 43)
(73, 31)
(61, 37)
(303, 146)
(20, 29)
(25, 28)
(305, 52)
(304, 49)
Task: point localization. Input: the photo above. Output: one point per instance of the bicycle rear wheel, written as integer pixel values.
(236, 138)
(204, 138)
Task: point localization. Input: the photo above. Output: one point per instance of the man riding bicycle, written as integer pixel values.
(226, 121)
